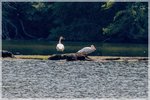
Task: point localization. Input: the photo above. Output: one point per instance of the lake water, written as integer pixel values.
(49, 47)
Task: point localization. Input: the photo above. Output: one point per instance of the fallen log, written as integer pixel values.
(140, 59)
(112, 58)
(70, 57)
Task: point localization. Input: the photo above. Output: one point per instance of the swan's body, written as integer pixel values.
(60, 46)
(87, 50)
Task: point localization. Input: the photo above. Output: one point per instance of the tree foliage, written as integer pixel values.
(77, 21)
(130, 24)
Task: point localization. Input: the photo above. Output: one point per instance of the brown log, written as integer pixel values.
(70, 57)
(112, 58)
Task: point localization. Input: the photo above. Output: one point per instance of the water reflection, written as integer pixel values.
(48, 48)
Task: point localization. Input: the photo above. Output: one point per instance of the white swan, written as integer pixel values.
(87, 50)
(60, 46)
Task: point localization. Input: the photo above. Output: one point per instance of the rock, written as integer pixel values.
(56, 57)
(6, 53)
(70, 57)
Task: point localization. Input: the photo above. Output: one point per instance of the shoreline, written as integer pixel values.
(95, 58)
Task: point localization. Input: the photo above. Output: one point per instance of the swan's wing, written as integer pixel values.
(86, 50)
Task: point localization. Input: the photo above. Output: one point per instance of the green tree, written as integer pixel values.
(26, 20)
(130, 24)
(77, 21)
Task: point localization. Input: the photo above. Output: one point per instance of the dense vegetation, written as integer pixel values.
(76, 21)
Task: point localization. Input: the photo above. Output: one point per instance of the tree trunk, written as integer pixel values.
(23, 29)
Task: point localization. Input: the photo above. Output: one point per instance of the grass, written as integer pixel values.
(41, 57)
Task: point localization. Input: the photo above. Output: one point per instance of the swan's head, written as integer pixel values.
(62, 37)
(93, 47)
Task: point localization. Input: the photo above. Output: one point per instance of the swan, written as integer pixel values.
(60, 46)
(87, 50)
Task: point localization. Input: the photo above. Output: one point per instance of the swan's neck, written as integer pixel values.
(60, 40)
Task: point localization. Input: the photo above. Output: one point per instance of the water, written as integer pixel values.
(77, 79)
(49, 47)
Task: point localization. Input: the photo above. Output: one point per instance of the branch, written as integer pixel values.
(16, 30)
(21, 22)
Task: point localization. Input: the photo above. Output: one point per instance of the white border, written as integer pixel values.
(0, 49)
(73, 0)
(73, 98)
(148, 50)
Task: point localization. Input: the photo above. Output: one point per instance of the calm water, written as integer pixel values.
(48, 48)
